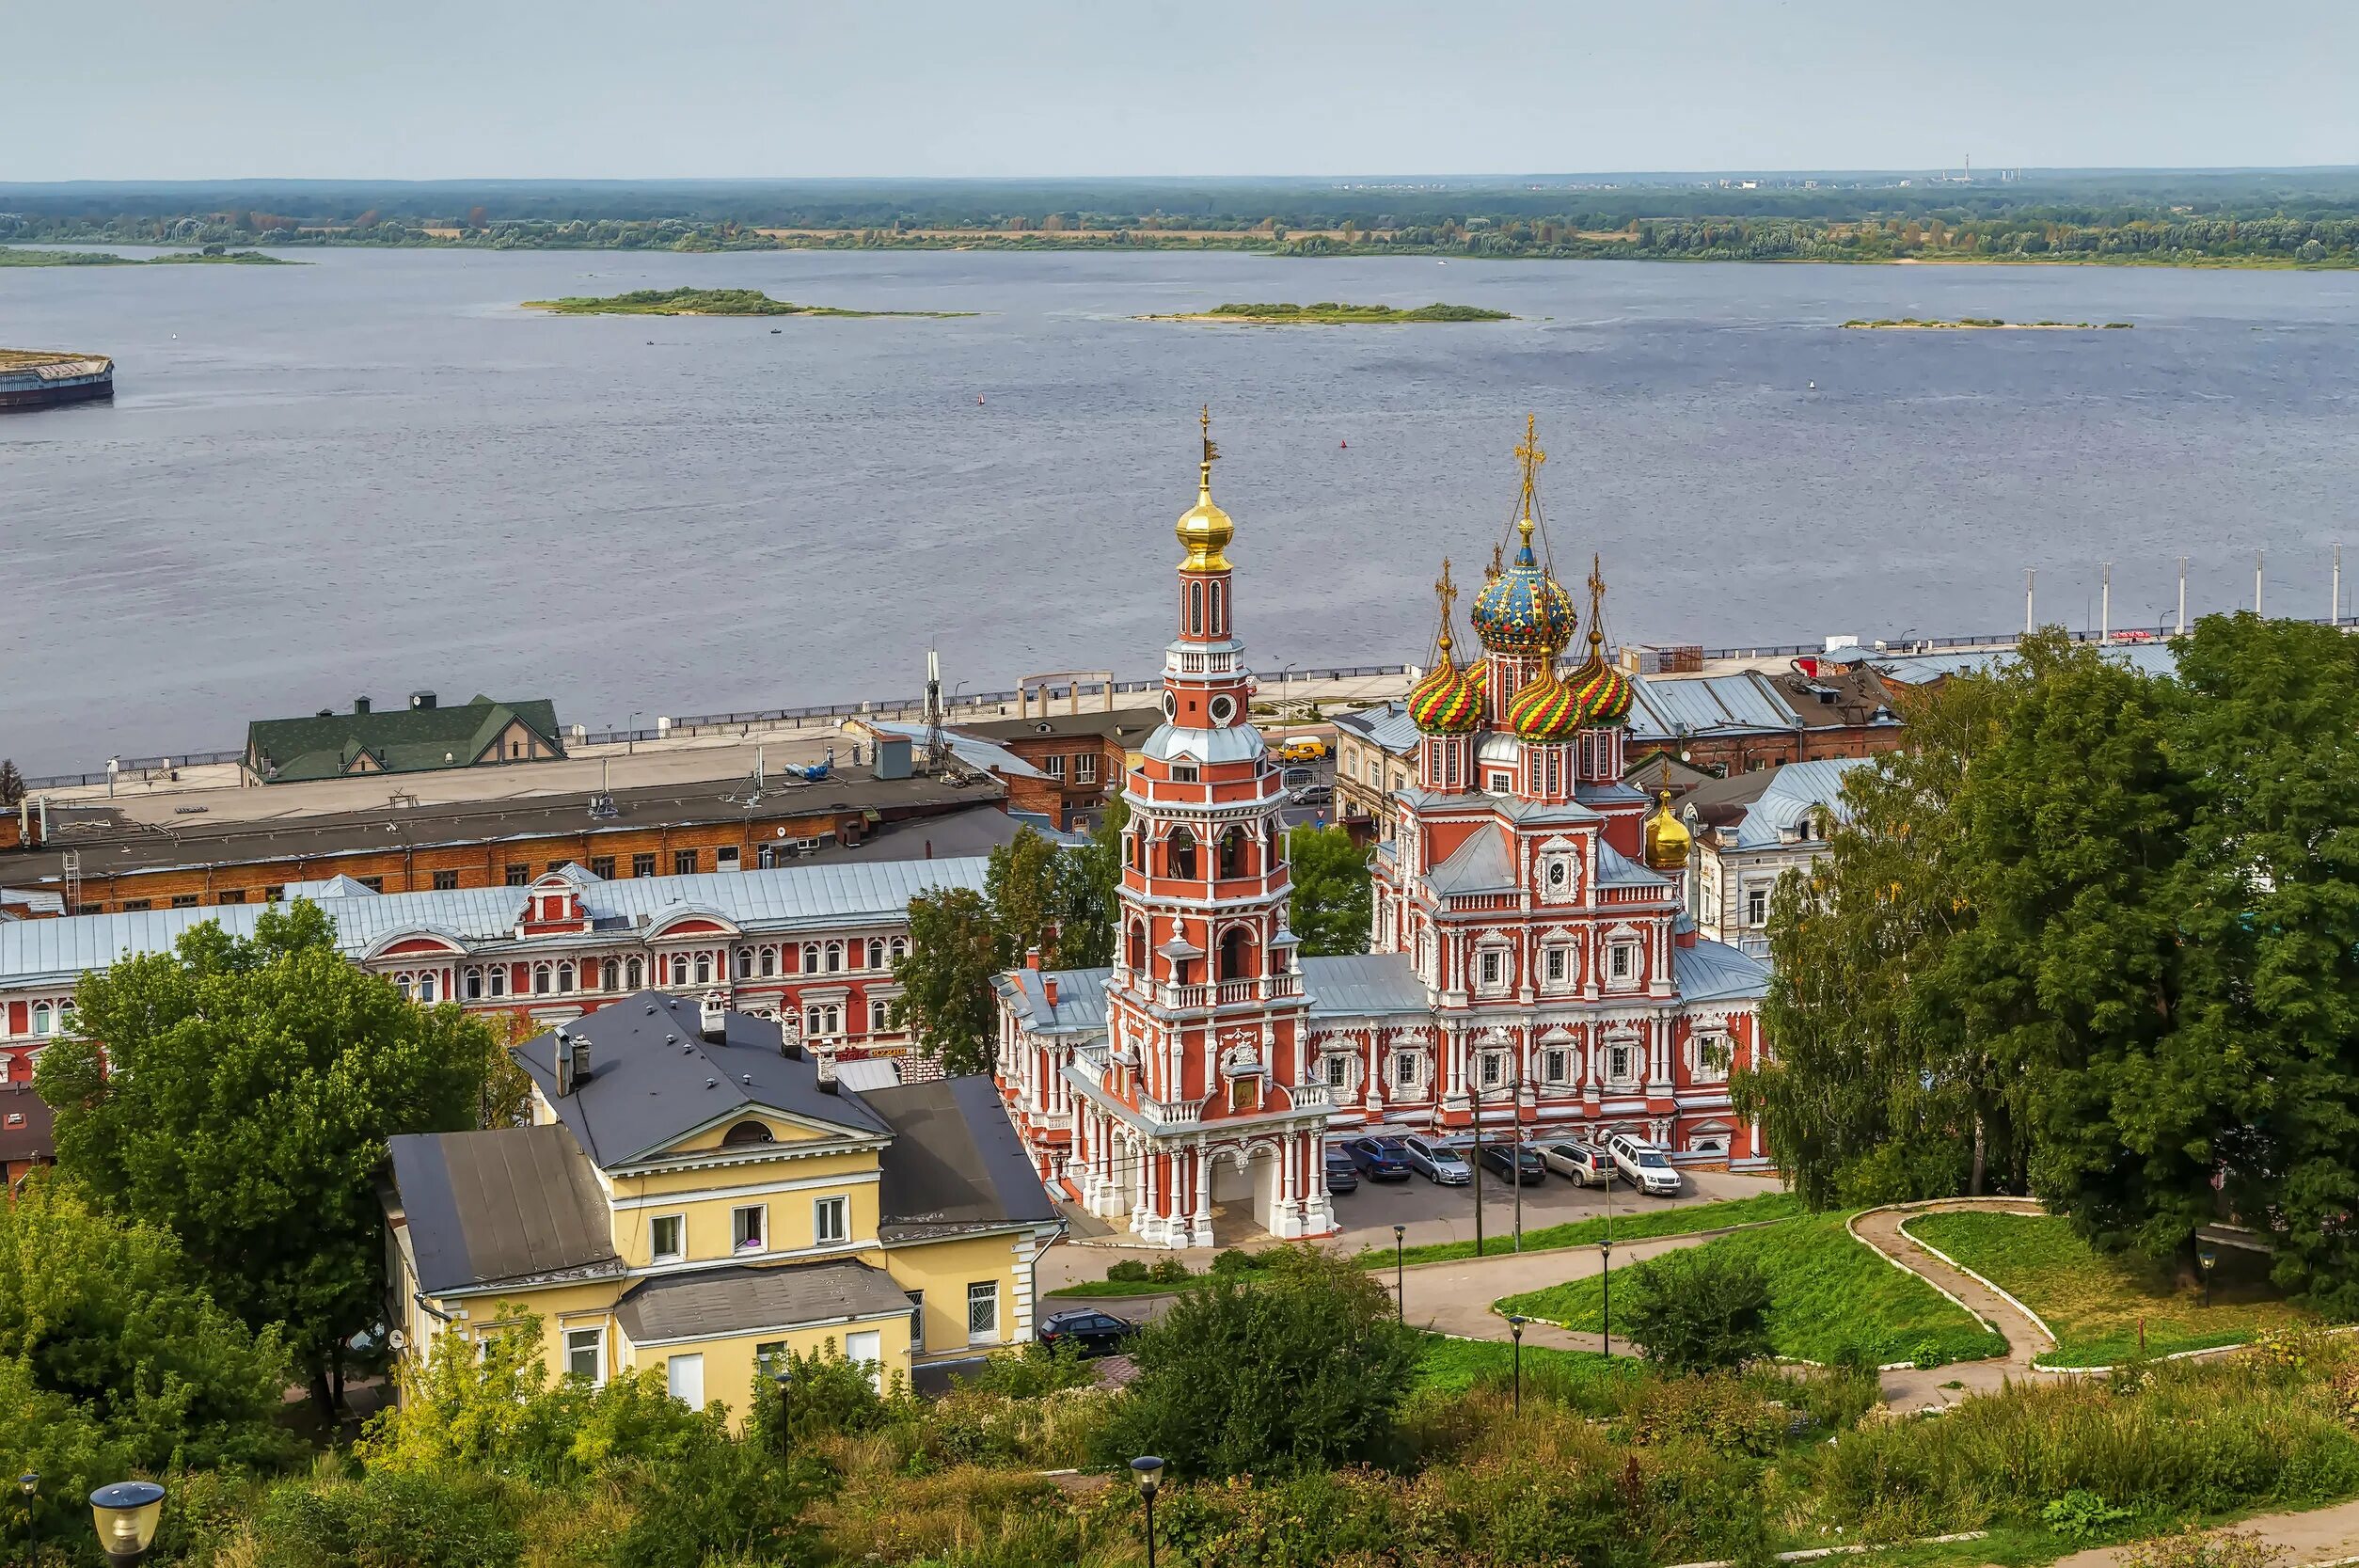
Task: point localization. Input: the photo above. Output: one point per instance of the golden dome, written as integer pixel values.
(1205, 529)
(1666, 837)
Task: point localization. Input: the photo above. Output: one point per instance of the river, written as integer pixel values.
(374, 472)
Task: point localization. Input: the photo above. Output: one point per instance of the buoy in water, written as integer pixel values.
(1345, 445)
(978, 403)
(1814, 386)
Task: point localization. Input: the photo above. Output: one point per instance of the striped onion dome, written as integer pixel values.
(1445, 701)
(1605, 694)
(1544, 712)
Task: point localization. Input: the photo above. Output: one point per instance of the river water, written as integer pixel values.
(373, 472)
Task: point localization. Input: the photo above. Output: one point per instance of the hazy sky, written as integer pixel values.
(457, 89)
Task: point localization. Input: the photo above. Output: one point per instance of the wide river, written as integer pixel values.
(374, 472)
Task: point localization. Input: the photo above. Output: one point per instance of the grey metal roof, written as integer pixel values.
(719, 1304)
(955, 1164)
(789, 898)
(1081, 999)
(1366, 986)
(2148, 659)
(512, 1204)
(1479, 865)
(969, 747)
(1707, 704)
(1387, 727)
(1124, 725)
(1715, 972)
(27, 1129)
(1796, 793)
(654, 1078)
(1615, 869)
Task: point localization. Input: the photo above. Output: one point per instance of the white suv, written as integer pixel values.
(1643, 1165)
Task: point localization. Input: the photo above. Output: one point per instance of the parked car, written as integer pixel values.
(1587, 1166)
(1094, 1333)
(1302, 748)
(1379, 1159)
(1314, 795)
(1297, 778)
(1436, 1160)
(1643, 1165)
(1504, 1159)
(1343, 1176)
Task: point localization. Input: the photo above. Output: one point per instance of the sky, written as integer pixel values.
(155, 90)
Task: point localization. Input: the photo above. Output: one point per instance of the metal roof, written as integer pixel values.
(720, 1304)
(1389, 727)
(1081, 999)
(1707, 704)
(1479, 865)
(514, 1203)
(1365, 986)
(1796, 792)
(1615, 869)
(968, 748)
(2148, 659)
(1715, 972)
(955, 1164)
(789, 898)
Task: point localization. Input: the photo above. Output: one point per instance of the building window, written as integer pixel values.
(667, 1237)
(495, 980)
(880, 1016)
(602, 867)
(1557, 963)
(1492, 965)
(1339, 1071)
(1085, 768)
(564, 979)
(1404, 1070)
(897, 949)
(274, 892)
(1179, 855)
(770, 962)
(917, 1322)
(747, 1227)
(703, 968)
(983, 1312)
(609, 976)
(632, 974)
(683, 862)
(1618, 1063)
(1499, 782)
(471, 983)
(684, 1379)
(585, 1354)
(823, 1020)
(426, 989)
(830, 1221)
(1494, 1068)
(541, 975)
(1054, 766)
(644, 866)
(184, 901)
(1756, 906)
(1195, 610)
(518, 875)
(231, 895)
(374, 884)
(875, 953)
(811, 958)
(1712, 1057)
(446, 881)
(835, 957)
(1622, 961)
(42, 1019)
(131, 906)
(1555, 1066)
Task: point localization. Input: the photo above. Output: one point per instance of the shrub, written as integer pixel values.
(1168, 1270)
(2080, 1514)
(1305, 1369)
(1726, 1414)
(828, 1396)
(719, 1502)
(1698, 1311)
(1236, 1260)
(1129, 1269)
(1927, 1355)
(455, 1519)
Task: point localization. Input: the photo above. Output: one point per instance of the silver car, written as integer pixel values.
(1436, 1160)
(1643, 1165)
(1586, 1165)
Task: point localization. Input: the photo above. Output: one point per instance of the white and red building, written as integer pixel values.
(1533, 962)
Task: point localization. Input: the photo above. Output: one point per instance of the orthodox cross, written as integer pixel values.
(1212, 452)
(1447, 591)
(1529, 453)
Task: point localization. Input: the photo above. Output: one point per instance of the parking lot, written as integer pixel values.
(1438, 1213)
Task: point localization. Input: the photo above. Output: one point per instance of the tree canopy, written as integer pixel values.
(956, 947)
(242, 1099)
(1332, 904)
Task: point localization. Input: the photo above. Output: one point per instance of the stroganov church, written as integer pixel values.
(1531, 961)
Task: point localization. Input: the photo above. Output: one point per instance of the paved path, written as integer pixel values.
(1911, 1390)
(2317, 1535)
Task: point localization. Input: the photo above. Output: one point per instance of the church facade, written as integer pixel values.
(1531, 962)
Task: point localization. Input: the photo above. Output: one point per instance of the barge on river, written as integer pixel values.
(36, 378)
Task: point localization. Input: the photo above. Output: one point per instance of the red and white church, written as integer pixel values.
(1531, 964)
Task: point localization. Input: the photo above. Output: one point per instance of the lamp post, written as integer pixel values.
(2209, 1256)
(1399, 1276)
(30, 1484)
(125, 1515)
(1515, 1329)
(1606, 1250)
(1148, 1473)
(785, 1381)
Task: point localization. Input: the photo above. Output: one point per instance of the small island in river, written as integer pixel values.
(1983, 324)
(707, 302)
(13, 256)
(1328, 312)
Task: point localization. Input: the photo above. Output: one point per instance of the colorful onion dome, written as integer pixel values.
(1546, 712)
(1524, 610)
(1445, 701)
(1666, 837)
(1205, 529)
(1605, 694)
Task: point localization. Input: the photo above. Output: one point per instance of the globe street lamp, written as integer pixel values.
(2209, 1256)
(1515, 1327)
(1399, 1278)
(30, 1484)
(1148, 1473)
(125, 1514)
(785, 1381)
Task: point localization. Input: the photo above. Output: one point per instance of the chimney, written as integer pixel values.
(827, 1071)
(1032, 958)
(361, 705)
(1048, 985)
(564, 1059)
(712, 1020)
(581, 1060)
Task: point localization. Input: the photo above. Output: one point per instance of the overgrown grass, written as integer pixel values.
(1636, 1224)
(1828, 1294)
(1577, 1378)
(2095, 1303)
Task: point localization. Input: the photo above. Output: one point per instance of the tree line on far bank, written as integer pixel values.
(2093, 936)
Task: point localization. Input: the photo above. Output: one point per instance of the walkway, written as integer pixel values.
(2314, 1536)
(1911, 1390)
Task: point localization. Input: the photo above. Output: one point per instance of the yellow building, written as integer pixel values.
(697, 1192)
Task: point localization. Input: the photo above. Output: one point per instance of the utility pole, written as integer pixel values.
(2105, 606)
(2031, 624)
(2258, 556)
(2335, 610)
(1474, 1091)
(2182, 595)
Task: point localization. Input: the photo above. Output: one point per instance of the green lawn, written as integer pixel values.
(1826, 1291)
(2095, 1303)
(1576, 1377)
(1636, 1223)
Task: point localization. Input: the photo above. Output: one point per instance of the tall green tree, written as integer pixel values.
(1090, 879)
(242, 1099)
(1332, 904)
(1020, 879)
(956, 948)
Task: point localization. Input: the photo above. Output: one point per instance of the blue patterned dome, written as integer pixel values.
(1523, 610)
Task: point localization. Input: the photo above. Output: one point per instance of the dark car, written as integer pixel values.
(1503, 1159)
(1379, 1159)
(1094, 1333)
(1342, 1176)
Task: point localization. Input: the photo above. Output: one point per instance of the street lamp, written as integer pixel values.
(2209, 1256)
(30, 1484)
(125, 1514)
(1399, 1276)
(1515, 1328)
(1606, 1250)
(785, 1381)
(1148, 1473)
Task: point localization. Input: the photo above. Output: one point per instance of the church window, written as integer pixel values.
(1216, 610)
(1494, 964)
(1339, 1071)
(1555, 1066)
(1244, 1094)
(1622, 961)
(1180, 855)
(634, 973)
(1554, 764)
(609, 976)
(1235, 954)
(1404, 1070)
(1231, 852)
(1195, 608)
(1557, 963)
(1450, 764)
(1494, 1068)
(1138, 945)
(1618, 1063)
(1183, 772)
(1501, 782)
(1711, 1056)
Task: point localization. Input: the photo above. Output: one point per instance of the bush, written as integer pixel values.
(1698, 1311)
(1236, 1260)
(2080, 1514)
(1168, 1270)
(828, 1397)
(1303, 1370)
(1128, 1270)
(458, 1519)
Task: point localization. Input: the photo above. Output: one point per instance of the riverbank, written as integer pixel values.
(1981, 324)
(18, 255)
(1330, 313)
(709, 302)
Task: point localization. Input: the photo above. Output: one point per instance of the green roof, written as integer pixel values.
(398, 740)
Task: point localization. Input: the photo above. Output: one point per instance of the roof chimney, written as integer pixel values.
(827, 1071)
(361, 705)
(712, 1019)
(1048, 985)
(1032, 958)
(564, 1059)
(581, 1060)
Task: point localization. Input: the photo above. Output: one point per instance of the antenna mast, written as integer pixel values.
(936, 748)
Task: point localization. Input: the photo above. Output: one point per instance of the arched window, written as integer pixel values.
(1195, 608)
(679, 969)
(880, 1015)
(633, 973)
(1216, 610)
(1179, 854)
(835, 957)
(811, 958)
(541, 975)
(1138, 945)
(609, 976)
(471, 983)
(875, 953)
(745, 963)
(901, 948)
(770, 962)
(41, 1024)
(426, 989)
(703, 968)
(1231, 852)
(1235, 954)
(565, 978)
(746, 1132)
(495, 980)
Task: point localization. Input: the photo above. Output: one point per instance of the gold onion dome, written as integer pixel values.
(1445, 701)
(1522, 610)
(1205, 529)
(1544, 712)
(1666, 837)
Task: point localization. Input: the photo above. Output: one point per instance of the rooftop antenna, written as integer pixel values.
(936, 748)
